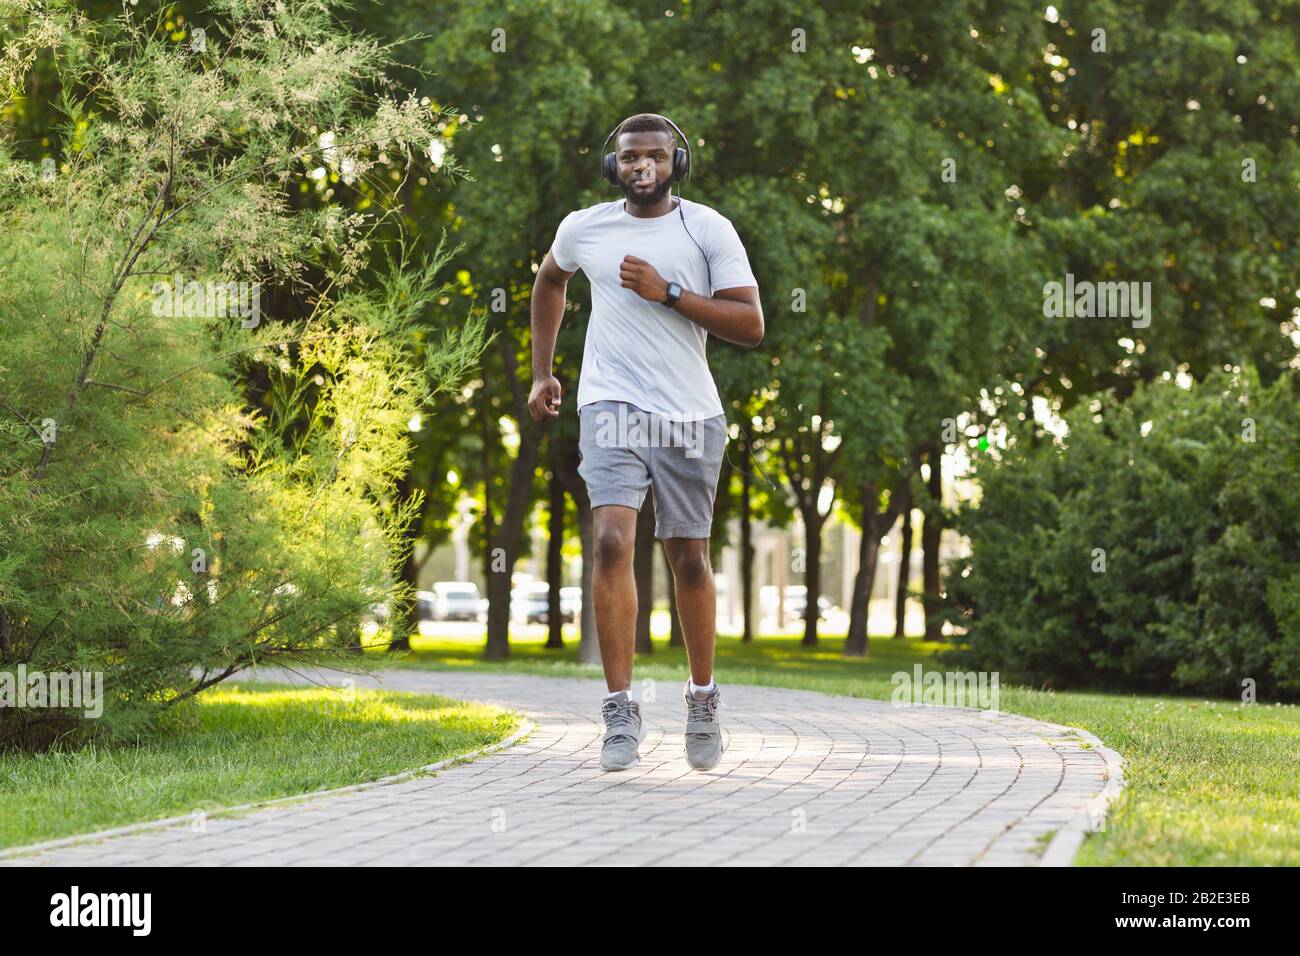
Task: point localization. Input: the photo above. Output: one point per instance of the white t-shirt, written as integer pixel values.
(639, 351)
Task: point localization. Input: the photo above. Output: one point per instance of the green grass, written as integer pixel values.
(1205, 782)
(239, 744)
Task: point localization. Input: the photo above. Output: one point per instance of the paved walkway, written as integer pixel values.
(807, 778)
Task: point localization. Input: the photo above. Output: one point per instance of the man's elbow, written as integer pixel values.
(548, 280)
(756, 331)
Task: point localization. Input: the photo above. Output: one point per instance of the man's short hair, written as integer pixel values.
(645, 123)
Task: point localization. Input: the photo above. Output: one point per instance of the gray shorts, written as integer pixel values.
(624, 450)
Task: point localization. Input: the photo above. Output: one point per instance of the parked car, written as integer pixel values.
(455, 601)
(529, 603)
(424, 605)
(570, 604)
(796, 602)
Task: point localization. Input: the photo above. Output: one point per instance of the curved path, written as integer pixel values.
(807, 778)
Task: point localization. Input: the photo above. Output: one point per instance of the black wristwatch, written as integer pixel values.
(674, 293)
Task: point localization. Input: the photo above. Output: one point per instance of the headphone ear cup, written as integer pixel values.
(681, 165)
(609, 169)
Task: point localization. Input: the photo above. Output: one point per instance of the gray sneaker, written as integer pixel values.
(703, 729)
(623, 732)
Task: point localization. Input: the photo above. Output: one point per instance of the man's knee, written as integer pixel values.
(691, 567)
(613, 546)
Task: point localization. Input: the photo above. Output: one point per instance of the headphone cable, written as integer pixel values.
(707, 268)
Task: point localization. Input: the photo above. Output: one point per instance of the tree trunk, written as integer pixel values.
(904, 565)
(812, 575)
(874, 525)
(780, 556)
(498, 622)
(857, 643)
(505, 546)
(485, 419)
(746, 559)
(643, 570)
(410, 575)
(930, 537)
(555, 560)
(566, 468)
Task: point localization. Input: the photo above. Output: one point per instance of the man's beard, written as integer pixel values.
(643, 198)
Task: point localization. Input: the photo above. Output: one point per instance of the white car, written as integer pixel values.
(570, 604)
(455, 601)
(796, 602)
(529, 603)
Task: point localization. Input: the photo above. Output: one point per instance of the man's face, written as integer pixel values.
(645, 166)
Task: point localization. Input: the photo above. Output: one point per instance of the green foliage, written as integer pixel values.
(157, 525)
(923, 294)
(1189, 492)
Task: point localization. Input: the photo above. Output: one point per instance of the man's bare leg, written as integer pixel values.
(697, 603)
(614, 591)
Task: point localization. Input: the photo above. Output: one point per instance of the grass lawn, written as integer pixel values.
(1206, 782)
(239, 744)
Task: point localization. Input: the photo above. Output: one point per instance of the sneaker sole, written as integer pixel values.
(722, 749)
(641, 732)
(626, 766)
(696, 766)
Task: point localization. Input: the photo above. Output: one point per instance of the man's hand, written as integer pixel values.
(643, 279)
(544, 401)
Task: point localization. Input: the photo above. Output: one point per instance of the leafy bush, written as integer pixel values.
(1189, 495)
(185, 494)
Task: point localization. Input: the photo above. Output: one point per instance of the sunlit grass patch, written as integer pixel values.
(239, 744)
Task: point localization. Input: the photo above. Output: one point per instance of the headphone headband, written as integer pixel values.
(685, 168)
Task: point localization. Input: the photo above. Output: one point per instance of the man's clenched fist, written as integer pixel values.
(544, 401)
(643, 279)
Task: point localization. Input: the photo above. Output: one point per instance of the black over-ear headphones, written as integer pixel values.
(681, 157)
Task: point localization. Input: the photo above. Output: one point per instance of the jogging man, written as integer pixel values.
(665, 273)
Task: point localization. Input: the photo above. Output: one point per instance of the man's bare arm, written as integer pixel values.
(735, 315)
(547, 310)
